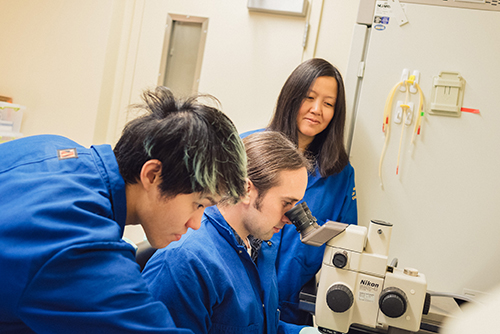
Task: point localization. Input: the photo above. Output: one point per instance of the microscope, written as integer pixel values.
(356, 286)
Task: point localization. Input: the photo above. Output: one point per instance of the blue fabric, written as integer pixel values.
(210, 284)
(331, 198)
(63, 265)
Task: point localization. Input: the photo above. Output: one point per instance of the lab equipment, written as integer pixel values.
(449, 177)
(356, 286)
(11, 116)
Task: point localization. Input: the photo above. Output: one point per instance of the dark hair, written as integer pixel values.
(198, 146)
(269, 153)
(327, 150)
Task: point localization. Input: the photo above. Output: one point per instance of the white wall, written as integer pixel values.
(249, 55)
(52, 61)
(76, 65)
(335, 32)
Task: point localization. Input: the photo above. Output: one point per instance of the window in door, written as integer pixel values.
(183, 53)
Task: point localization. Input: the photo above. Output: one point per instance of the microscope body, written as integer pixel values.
(356, 286)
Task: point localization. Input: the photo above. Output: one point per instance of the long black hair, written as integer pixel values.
(327, 150)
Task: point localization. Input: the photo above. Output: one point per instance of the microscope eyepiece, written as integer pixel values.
(301, 217)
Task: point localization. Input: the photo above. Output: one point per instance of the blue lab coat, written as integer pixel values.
(331, 198)
(211, 285)
(63, 265)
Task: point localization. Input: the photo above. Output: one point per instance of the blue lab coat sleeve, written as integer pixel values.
(63, 265)
(92, 288)
(180, 280)
(287, 328)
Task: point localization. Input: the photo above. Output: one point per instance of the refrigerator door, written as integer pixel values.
(445, 201)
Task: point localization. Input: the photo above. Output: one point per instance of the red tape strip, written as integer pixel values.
(474, 111)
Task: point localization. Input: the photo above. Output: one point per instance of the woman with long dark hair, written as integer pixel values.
(311, 112)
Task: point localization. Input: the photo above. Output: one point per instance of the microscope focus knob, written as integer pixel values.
(427, 303)
(393, 302)
(340, 259)
(339, 298)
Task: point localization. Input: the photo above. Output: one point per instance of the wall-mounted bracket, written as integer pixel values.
(408, 115)
(413, 88)
(447, 94)
(405, 75)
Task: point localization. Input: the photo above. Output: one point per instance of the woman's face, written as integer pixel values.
(317, 109)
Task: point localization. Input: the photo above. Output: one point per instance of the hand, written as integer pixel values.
(309, 330)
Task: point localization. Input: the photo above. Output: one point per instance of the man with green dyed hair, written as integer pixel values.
(64, 207)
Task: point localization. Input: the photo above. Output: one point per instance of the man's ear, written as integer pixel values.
(251, 192)
(150, 173)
